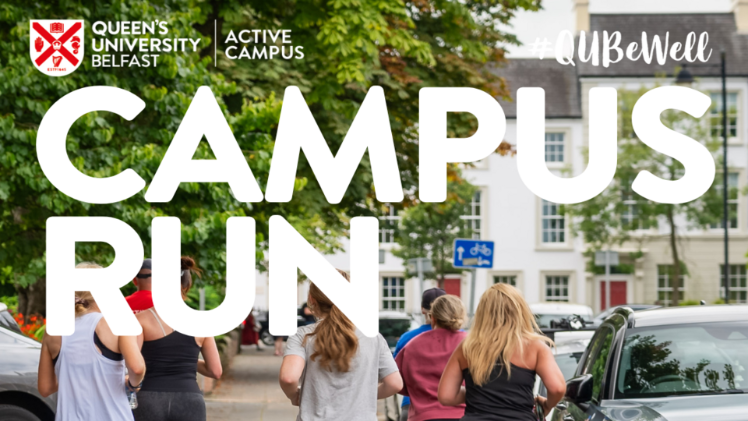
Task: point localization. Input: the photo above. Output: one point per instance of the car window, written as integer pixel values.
(392, 329)
(683, 359)
(568, 363)
(597, 358)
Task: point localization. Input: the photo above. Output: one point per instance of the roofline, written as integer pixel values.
(658, 13)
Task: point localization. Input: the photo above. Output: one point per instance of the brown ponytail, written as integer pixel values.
(188, 267)
(336, 341)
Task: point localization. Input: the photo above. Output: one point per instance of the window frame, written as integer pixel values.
(582, 367)
(682, 288)
(397, 299)
(716, 103)
(730, 201)
(385, 232)
(470, 219)
(565, 245)
(568, 287)
(732, 288)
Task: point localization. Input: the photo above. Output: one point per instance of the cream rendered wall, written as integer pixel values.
(701, 249)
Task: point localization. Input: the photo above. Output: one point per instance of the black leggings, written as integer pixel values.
(170, 406)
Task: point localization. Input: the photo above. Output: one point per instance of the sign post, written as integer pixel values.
(472, 254)
(420, 265)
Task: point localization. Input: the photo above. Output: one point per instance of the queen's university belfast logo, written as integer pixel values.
(56, 46)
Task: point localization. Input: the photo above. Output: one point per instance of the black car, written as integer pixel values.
(674, 364)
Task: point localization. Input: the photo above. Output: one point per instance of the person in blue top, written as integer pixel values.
(428, 297)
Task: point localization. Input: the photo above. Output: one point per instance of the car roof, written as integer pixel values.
(388, 314)
(560, 308)
(686, 314)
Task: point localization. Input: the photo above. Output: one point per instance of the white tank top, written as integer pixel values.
(90, 386)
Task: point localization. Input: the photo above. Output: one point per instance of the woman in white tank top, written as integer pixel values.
(87, 369)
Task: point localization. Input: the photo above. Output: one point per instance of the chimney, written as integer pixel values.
(582, 14)
(740, 10)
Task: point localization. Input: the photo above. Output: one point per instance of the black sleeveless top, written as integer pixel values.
(171, 364)
(501, 398)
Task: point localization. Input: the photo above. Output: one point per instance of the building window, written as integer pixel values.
(393, 293)
(381, 256)
(732, 198)
(473, 220)
(505, 279)
(665, 285)
(737, 280)
(557, 288)
(715, 114)
(553, 224)
(554, 147)
(630, 217)
(388, 225)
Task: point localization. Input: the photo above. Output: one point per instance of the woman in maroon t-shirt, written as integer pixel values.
(423, 359)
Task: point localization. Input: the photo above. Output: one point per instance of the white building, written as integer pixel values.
(534, 248)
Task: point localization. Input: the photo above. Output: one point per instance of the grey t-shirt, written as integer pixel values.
(336, 396)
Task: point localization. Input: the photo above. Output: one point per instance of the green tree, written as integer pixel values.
(101, 144)
(430, 229)
(613, 217)
(351, 45)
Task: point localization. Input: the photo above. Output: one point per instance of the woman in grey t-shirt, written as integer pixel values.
(332, 371)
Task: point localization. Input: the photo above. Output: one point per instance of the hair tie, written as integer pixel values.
(81, 301)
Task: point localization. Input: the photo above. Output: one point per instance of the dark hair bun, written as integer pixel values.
(187, 263)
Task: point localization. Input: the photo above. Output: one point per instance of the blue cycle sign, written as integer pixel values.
(473, 254)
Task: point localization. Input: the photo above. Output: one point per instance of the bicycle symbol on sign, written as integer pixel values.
(480, 248)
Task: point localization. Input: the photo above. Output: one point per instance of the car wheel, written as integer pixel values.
(16, 413)
(267, 338)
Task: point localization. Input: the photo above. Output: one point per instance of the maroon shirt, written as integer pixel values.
(421, 364)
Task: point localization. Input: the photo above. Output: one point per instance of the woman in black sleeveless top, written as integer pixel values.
(170, 390)
(498, 361)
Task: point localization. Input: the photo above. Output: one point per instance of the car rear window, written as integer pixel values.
(683, 359)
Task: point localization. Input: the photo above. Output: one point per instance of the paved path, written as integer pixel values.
(250, 391)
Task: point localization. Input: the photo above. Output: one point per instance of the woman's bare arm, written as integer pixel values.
(211, 365)
(451, 391)
(390, 385)
(290, 373)
(551, 375)
(128, 346)
(46, 378)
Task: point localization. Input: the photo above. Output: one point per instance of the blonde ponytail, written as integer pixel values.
(84, 299)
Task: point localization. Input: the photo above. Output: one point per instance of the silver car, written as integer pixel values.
(19, 361)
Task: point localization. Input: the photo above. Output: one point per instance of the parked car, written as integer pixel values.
(570, 346)
(552, 311)
(598, 320)
(674, 364)
(19, 361)
(392, 324)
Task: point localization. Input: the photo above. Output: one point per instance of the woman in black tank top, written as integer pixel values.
(498, 361)
(170, 391)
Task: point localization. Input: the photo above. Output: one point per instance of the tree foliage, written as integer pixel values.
(430, 229)
(619, 215)
(349, 46)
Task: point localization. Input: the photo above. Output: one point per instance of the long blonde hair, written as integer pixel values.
(448, 312)
(503, 324)
(84, 299)
(336, 342)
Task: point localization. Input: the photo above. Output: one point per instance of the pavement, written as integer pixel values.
(249, 391)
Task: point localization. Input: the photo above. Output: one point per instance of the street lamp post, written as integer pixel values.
(684, 77)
